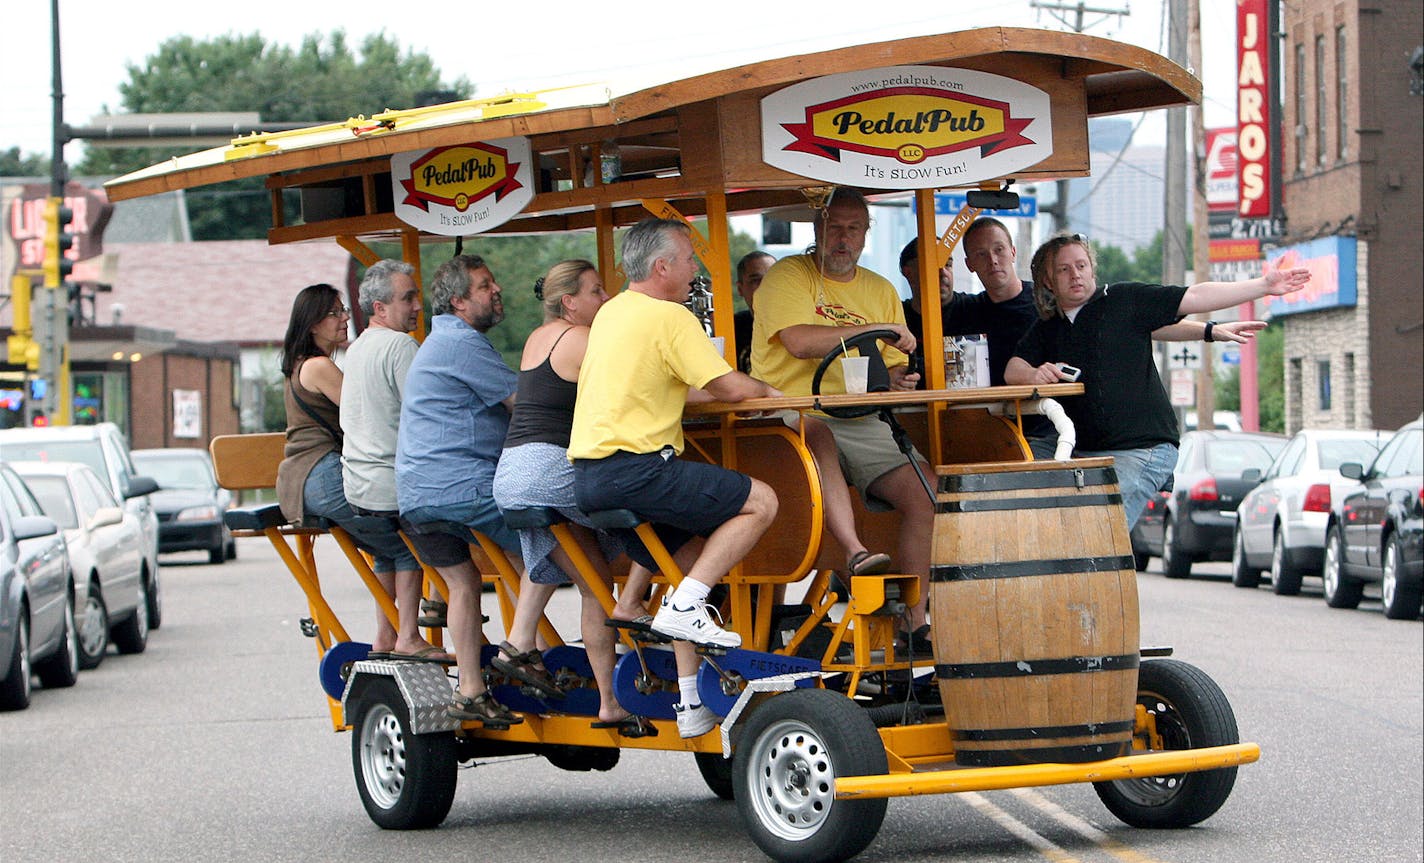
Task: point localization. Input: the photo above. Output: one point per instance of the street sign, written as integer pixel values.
(949, 203)
(1185, 357)
(1182, 388)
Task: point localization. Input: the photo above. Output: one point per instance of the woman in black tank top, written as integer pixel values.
(534, 470)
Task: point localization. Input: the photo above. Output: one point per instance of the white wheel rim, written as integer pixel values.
(383, 756)
(1331, 571)
(1391, 577)
(792, 780)
(93, 630)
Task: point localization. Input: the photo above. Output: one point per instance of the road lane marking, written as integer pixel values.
(1082, 827)
(1042, 845)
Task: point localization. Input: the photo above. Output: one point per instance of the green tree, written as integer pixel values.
(1113, 265)
(1270, 382)
(321, 80)
(13, 164)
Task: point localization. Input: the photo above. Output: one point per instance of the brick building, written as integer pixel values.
(1352, 161)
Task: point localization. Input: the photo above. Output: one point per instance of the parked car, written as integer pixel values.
(1224, 420)
(189, 502)
(37, 628)
(1280, 525)
(1194, 520)
(1377, 534)
(104, 449)
(105, 553)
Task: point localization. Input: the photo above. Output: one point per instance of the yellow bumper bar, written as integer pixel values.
(1022, 776)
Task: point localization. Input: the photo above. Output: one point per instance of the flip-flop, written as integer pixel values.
(867, 563)
(378, 655)
(631, 725)
(428, 654)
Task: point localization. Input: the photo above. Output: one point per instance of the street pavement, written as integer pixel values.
(216, 744)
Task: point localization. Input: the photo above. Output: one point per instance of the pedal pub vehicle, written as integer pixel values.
(1037, 678)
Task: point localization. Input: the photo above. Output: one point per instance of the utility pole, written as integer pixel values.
(1201, 241)
(1059, 208)
(1174, 205)
(51, 324)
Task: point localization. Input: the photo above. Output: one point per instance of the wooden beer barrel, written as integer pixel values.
(1033, 596)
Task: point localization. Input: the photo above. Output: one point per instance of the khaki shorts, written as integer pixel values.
(867, 449)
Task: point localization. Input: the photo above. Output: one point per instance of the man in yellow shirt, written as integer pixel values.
(806, 306)
(645, 352)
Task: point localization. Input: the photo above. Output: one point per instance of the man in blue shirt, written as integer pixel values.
(454, 415)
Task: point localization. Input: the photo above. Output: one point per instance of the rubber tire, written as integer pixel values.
(1341, 590)
(155, 600)
(717, 773)
(217, 554)
(15, 688)
(838, 733)
(1401, 601)
(61, 669)
(1285, 577)
(419, 769)
(230, 549)
(130, 635)
(92, 655)
(1140, 559)
(1191, 712)
(1175, 562)
(1243, 574)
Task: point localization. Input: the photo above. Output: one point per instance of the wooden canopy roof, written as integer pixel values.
(678, 141)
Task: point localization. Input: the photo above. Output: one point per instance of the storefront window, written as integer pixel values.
(101, 397)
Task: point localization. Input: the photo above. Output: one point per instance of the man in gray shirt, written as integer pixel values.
(376, 366)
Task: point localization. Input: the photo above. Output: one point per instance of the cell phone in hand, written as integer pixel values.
(1070, 373)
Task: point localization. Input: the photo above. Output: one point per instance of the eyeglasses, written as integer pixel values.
(1065, 239)
(339, 312)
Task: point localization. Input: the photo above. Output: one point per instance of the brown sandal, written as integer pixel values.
(527, 668)
(481, 708)
(867, 563)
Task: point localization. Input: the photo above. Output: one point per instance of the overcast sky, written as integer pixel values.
(501, 46)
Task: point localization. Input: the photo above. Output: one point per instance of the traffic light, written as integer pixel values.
(57, 265)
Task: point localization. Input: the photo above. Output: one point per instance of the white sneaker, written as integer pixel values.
(693, 624)
(694, 721)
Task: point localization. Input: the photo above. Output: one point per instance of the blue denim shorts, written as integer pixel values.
(449, 549)
(324, 497)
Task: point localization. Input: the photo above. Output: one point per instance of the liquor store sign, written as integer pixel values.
(464, 189)
(906, 127)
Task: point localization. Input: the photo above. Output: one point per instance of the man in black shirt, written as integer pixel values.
(1107, 333)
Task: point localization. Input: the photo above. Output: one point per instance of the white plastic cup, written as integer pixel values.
(856, 371)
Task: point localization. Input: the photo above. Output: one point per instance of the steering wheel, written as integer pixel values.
(877, 379)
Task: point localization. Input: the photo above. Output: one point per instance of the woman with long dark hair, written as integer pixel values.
(309, 477)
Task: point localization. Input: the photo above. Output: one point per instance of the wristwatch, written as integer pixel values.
(1206, 334)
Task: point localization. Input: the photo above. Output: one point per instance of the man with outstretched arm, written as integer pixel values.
(1106, 332)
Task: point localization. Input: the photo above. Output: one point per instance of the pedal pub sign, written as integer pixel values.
(464, 189)
(906, 127)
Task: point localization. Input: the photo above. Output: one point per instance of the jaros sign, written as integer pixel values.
(465, 189)
(906, 127)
